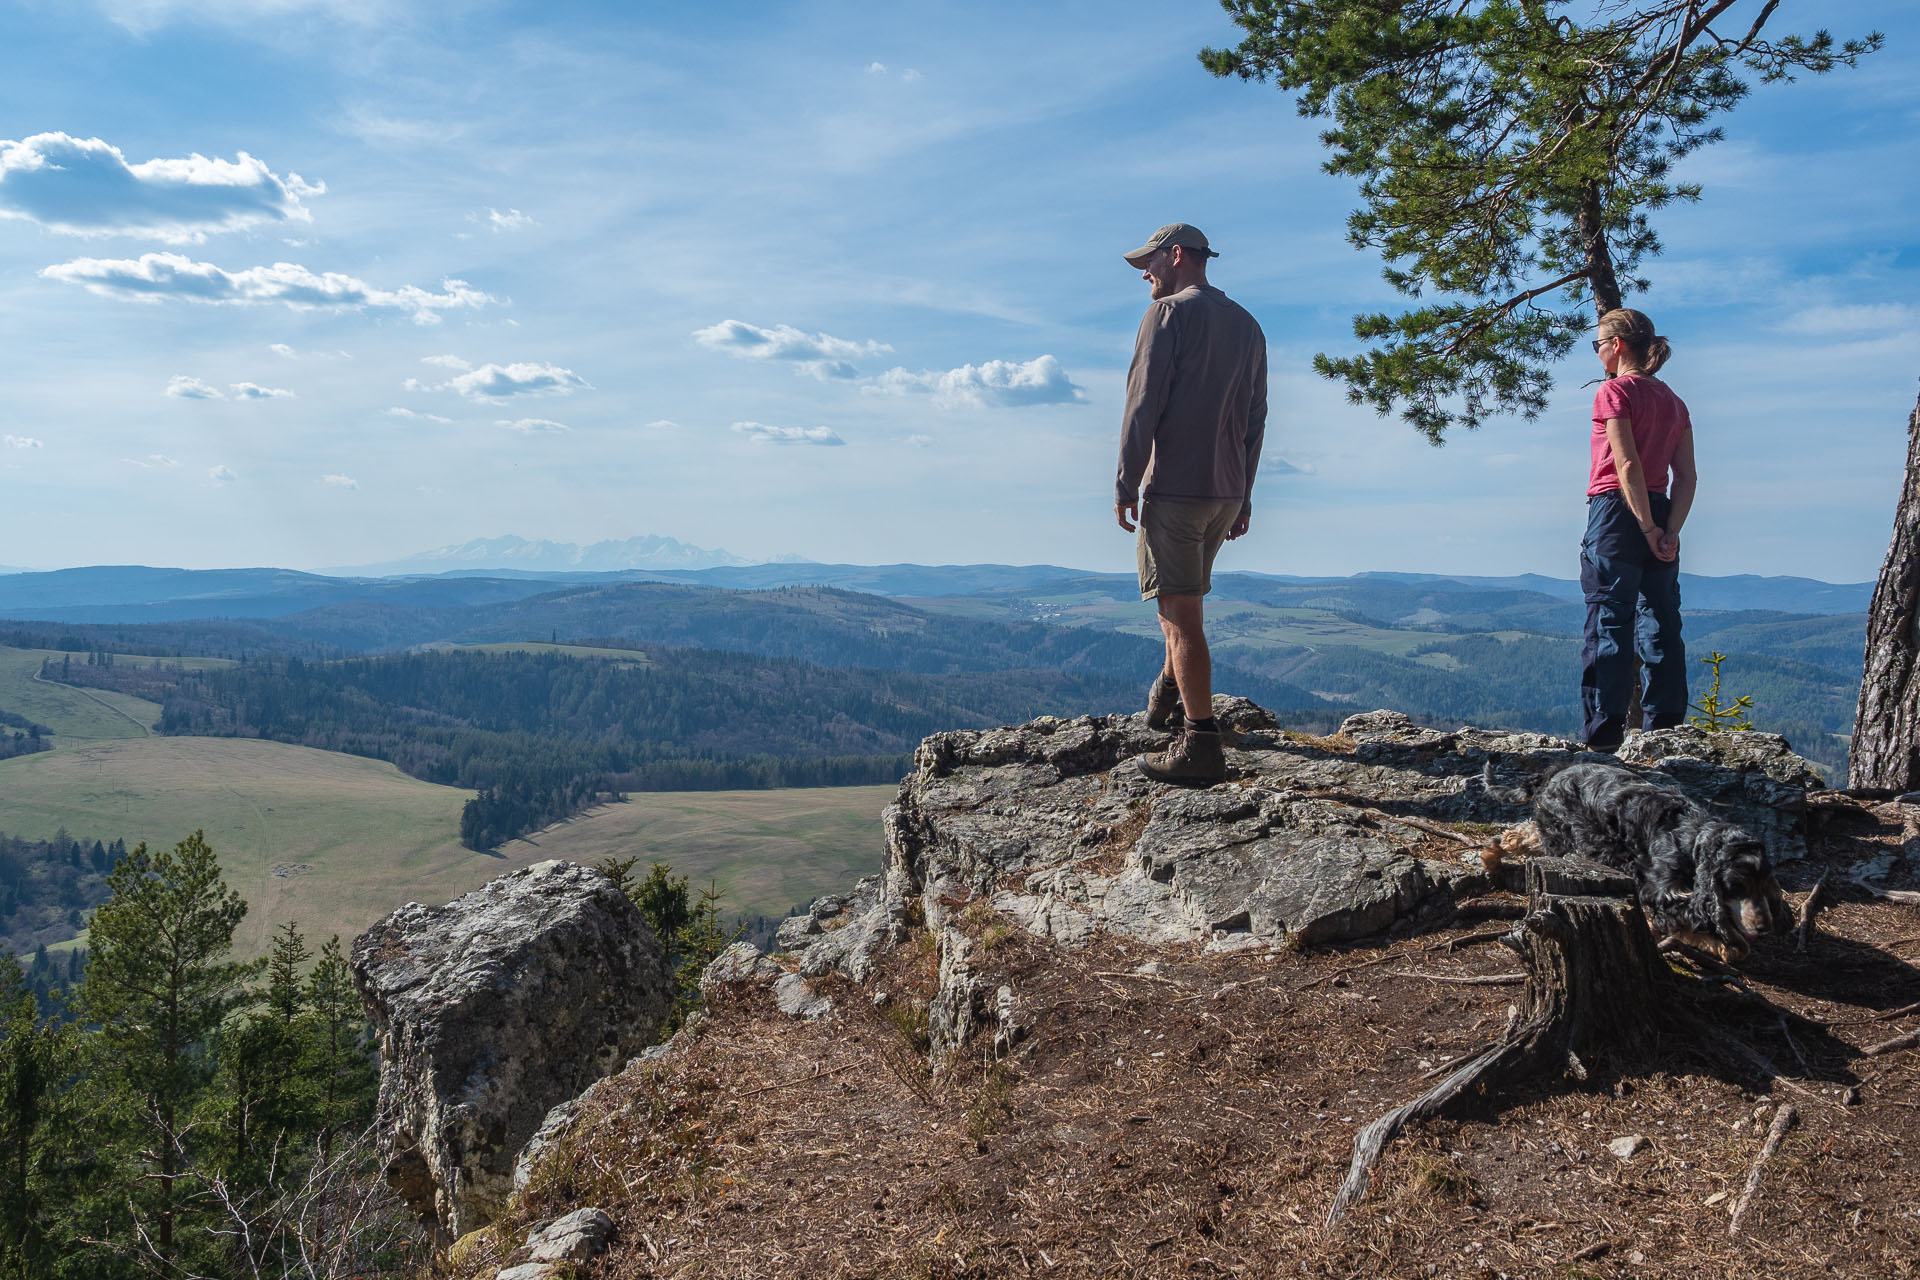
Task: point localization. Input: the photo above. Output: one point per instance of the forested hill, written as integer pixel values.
(542, 734)
(1490, 652)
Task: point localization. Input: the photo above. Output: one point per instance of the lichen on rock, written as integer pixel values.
(490, 1011)
(1310, 841)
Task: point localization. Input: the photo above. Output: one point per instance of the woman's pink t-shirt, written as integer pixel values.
(1658, 418)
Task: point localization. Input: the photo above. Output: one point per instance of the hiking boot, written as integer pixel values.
(1163, 703)
(1193, 757)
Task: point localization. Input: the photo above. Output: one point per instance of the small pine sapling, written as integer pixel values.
(1718, 715)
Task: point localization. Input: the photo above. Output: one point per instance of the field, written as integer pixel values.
(332, 841)
(74, 715)
(769, 850)
(336, 841)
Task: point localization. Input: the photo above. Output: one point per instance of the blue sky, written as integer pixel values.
(311, 284)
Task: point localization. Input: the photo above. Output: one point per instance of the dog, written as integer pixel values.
(1705, 883)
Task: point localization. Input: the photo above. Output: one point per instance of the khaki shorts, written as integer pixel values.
(1177, 542)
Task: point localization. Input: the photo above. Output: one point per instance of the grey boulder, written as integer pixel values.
(491, 1010)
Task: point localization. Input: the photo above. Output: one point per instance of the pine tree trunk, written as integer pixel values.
(1605, 284)
(1886, 728)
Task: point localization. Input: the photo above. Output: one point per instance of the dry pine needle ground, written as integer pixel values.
(1195, 1118)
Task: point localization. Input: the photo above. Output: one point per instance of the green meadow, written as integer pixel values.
(337, 841)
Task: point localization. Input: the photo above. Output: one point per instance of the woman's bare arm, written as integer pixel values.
(1685, 480)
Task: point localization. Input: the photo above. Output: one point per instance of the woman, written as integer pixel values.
(1630, 558)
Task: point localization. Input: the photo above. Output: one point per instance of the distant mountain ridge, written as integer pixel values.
(648, 551)
(137, 593)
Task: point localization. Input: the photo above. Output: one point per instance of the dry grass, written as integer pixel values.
(1336, 743)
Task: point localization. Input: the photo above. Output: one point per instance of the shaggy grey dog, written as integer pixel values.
(1704, 882)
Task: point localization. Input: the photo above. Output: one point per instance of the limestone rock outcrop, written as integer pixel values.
(1052, 825)
(490, 1011)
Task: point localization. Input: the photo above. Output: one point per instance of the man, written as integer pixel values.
(1195, 416)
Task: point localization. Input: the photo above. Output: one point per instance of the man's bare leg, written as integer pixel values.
(1187, 655)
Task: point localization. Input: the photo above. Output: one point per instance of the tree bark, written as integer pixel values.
(1606, 297)
(1885, 755)
(1593, 240)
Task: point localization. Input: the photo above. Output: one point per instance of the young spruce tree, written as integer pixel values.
(33, 1069)
(158, 986)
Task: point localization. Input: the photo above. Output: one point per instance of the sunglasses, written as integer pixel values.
(1598, 341)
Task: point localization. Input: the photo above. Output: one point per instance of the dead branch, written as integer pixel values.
(1810, 909)
(1421, 824)
(1905, 896)
(1469, 939)
(1907, 1041)
(1782, 1121)
(1465, 980)
(788, 1084)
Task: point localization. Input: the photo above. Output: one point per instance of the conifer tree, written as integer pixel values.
(662, 899)
(338, 1067)
(258, 1104)
(159, 983)
(33, 1064)
(1508, 154)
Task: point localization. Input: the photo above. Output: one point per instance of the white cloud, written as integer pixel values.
(20, 442)
(340, 482)
(761, 433)
(996, 384)
(152, 460)
(820, 354)
(920, 442)
(531, 426)
(282, 349)
(511, 220)
(910, 74)
(222, 475)
(85, 187)
(182, 387)
(254, 391)
(154, 276)
(397, 412)
(1885, 317)
(663, 424)
(876, 68)
(495, 383)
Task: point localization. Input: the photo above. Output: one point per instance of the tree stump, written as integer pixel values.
(1885, 753)
(1593, 975)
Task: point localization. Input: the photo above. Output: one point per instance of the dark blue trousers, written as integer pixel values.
(1633, 602)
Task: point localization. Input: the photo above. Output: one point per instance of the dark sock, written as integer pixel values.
(1209, 725)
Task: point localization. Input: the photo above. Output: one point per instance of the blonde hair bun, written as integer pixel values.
(1635, 332)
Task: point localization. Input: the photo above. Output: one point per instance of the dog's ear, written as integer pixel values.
(1708, 907)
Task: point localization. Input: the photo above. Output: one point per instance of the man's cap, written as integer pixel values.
(1184, 234)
